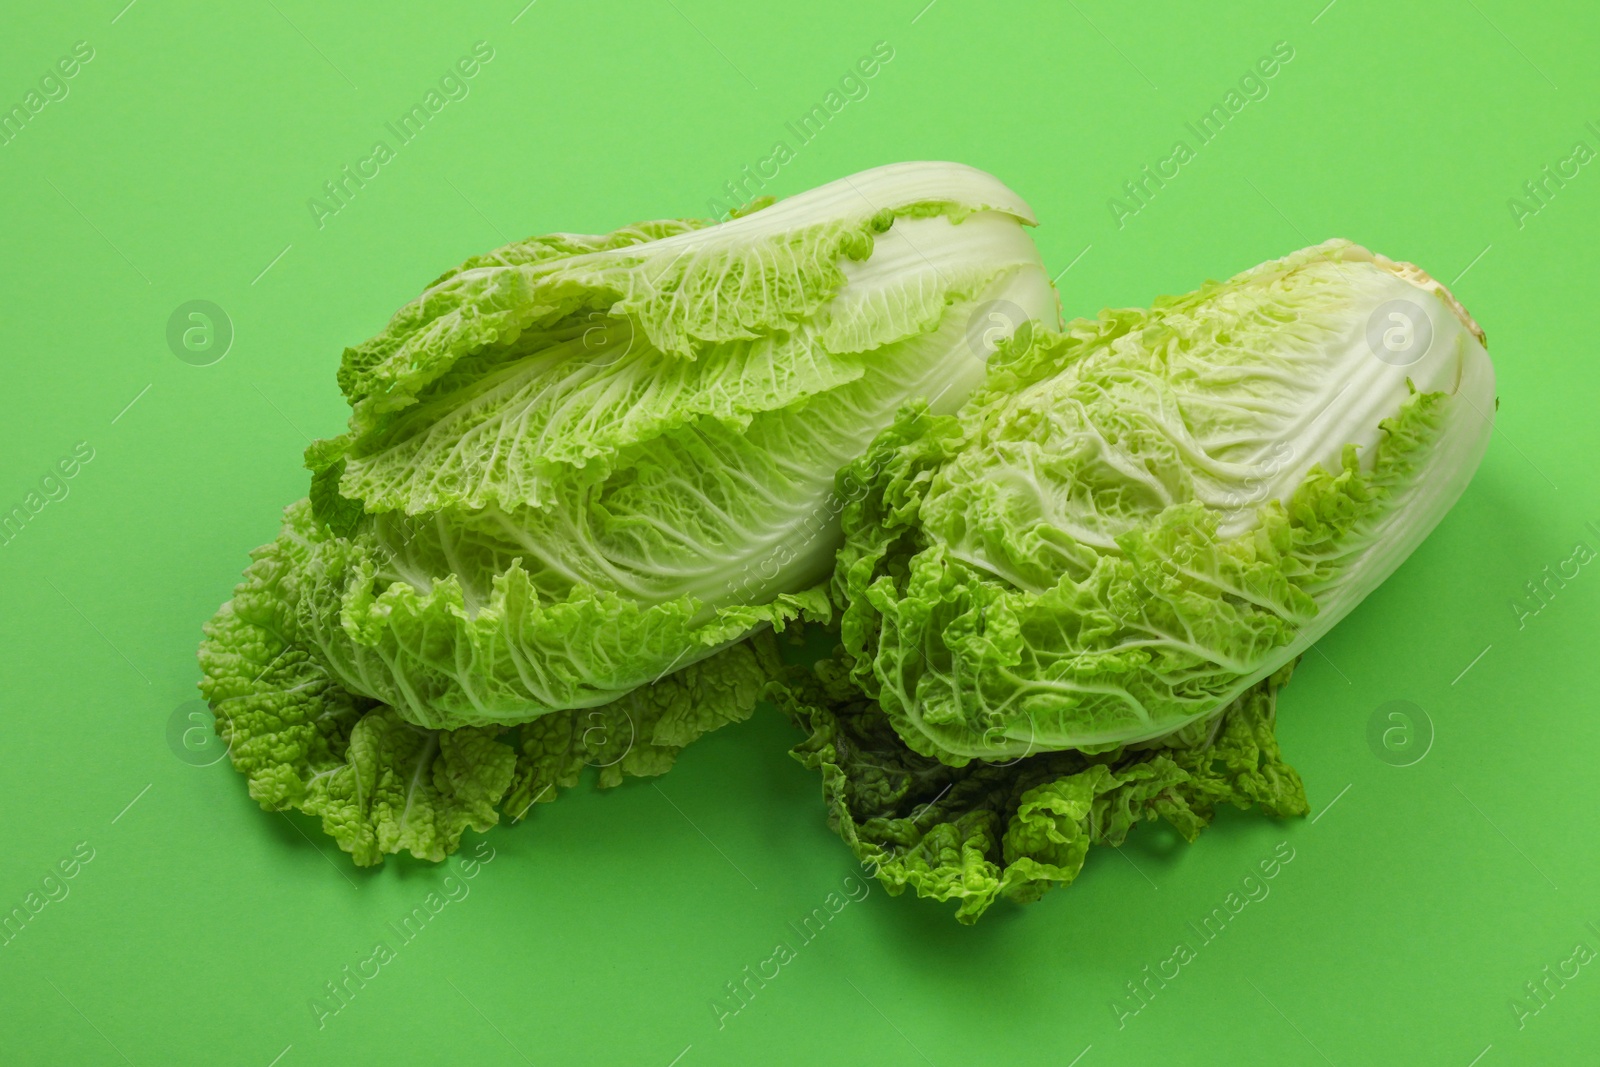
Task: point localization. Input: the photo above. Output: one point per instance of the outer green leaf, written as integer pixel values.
(382, 785)
(403, 788)
(800, 319)
(487, 299)
(456, 654)
(641, 733)
(1016, 829)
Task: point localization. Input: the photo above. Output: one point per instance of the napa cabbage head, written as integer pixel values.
(580, 473)
(1070, 606)
(1136, 520)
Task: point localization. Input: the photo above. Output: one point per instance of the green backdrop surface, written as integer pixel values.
(1450, 858)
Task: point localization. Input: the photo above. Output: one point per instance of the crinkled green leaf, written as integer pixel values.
(573, 400)
(1015, 829)
(407, 789)
(443, 659)
(382, 785)
(487, 299)
(679, 285)
(340, 515)
(641, 733)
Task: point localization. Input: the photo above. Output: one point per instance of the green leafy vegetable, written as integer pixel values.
(1017, 828)
(1065, 605)
(583, 477)
(1134, 521)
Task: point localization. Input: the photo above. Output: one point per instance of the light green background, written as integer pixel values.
(179, 167)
